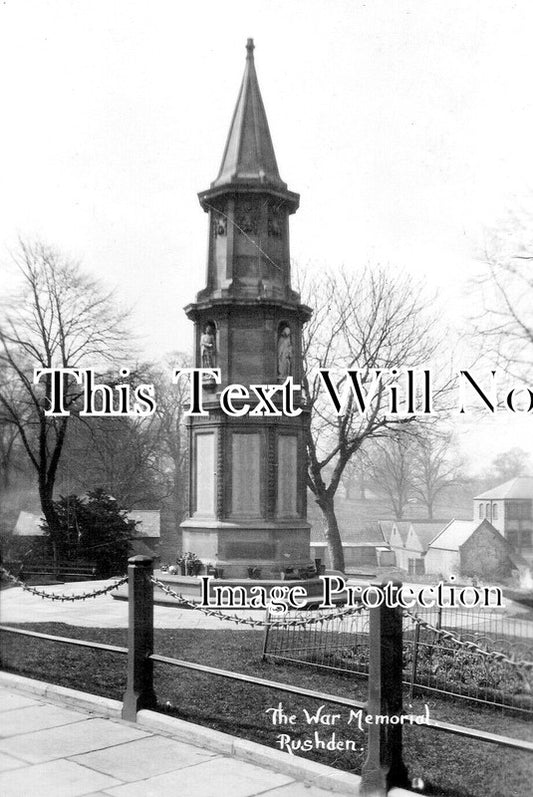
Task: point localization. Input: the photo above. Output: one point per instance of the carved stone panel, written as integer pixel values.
(247, 218)
(246, 474)
(205, 473)
(250, 550)
(287, 475)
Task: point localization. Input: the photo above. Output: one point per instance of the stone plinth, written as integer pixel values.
(190, 587)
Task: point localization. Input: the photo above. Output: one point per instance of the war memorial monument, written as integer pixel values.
(247, 512)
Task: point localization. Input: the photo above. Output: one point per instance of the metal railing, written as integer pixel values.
(480, 656)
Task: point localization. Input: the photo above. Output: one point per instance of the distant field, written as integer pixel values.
(356, 515)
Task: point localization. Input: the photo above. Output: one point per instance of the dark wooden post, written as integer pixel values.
(139, 688)
(384, 767)
(415, 643)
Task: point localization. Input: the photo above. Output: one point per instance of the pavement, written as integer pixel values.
(58, 742)
(18, 606)
(54, 748)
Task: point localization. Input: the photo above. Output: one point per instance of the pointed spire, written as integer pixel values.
(249, 153)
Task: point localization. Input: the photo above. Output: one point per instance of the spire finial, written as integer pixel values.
(250, 48)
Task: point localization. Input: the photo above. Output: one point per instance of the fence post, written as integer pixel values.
(267, 634)
(139, 688)
(415, 643)
(384, 767)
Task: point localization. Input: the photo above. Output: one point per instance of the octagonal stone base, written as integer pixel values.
(235, 549)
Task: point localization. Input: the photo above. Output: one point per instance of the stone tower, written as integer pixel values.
(247, 509)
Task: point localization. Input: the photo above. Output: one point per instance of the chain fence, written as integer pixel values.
(480, 656)
(311, 618)
(59, 596)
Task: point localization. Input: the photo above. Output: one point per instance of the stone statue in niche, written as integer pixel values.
(208, 347)
(284, 353)
(221, 225)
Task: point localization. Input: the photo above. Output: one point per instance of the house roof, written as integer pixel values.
(28, 525)
(454, 534)
(427, 530)
(386, 527)
(149, 522)
(519, 487)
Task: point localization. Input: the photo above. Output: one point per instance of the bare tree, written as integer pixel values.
(374, 320)
(505, 326)
(117, 454)
(61, 318)
(171, 432)
(140, 461)
(356, 479)
(390, 465)
(9, 438)
(435, 468)
(508, 464)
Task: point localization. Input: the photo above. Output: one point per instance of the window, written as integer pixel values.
(518, 510)
(481, 511)
(487, 511)
(495, 511)
(526, 538)
(416, 567)
(512, 538)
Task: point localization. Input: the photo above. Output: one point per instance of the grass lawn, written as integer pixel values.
(448, 765)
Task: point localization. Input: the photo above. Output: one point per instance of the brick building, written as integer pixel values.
(509, 507)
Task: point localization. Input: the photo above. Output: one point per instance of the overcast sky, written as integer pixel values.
(406, 127)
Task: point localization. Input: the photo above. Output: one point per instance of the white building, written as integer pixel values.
(443, 556)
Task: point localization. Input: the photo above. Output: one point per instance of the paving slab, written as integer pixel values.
(36, 718)
(296, 789)
(221, 777)
(144, 758)
(9, 762)
(69, 740)
(10, 700)
(53, 779)
(97, 757)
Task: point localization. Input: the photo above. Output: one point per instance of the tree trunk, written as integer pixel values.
(50, 515)
(333, 537)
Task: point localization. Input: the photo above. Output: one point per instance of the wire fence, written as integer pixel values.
(480, 656)
(342, 645)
